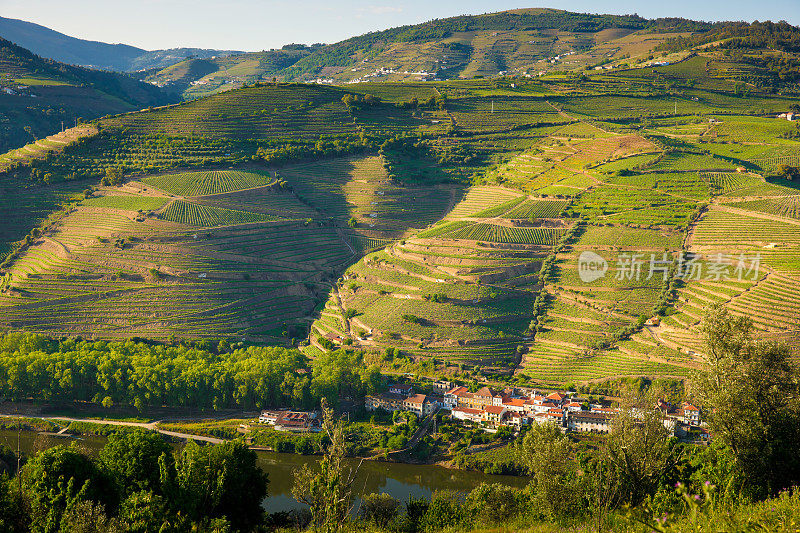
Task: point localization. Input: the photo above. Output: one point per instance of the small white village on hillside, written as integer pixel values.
(490, 409)
(516, 408)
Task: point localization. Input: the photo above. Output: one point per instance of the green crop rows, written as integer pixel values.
(443, 229)
(128, 203)
(783, 207)
(211, 182)
(520, 235)
(204, 216)
(537, 209)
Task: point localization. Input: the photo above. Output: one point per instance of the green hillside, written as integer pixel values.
(196, 77)
(524, 42)
(520, 41)
(439, 225)
(40, 97)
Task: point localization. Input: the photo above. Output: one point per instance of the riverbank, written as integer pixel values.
(402, 481)
(379, 439)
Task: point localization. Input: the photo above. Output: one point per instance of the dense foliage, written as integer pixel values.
(773, 35)
(137, 484)
(143, 374)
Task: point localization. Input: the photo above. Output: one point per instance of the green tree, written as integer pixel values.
(640, 449)
(444, 511)
(132, 459)
(84, 516)
(113, 177)
(143, 512)
(788, 172)
(220, 481)
(494, 502)
(379, 509)
(750, 392)
(328, 489)
(549, 455)
(13, 513)
(59, 477)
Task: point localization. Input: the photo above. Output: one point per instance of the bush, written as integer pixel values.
(445, 510)
(379, 509)
(494, 503)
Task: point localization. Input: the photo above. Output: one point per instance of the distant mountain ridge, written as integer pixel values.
(518, 42)
(39, 96)
(51, 44)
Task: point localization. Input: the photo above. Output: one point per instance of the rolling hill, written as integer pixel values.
(40, 96)
(525, 42)
(54, 45)
(515, 42)
(443, 226)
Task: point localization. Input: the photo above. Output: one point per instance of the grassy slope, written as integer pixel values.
(557, 138)
(527, 40)
(59, 93)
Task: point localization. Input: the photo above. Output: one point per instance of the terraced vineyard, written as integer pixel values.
(203, 216)
(204, 183)
(440, 294)
(788, 207)
(127, 203)
(450, 230)
(360, 188)
(537, 209)
(243, 258)
(493, 233)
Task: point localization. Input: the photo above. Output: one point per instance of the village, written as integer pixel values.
(490, 410)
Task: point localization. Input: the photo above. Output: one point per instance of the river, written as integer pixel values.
(400, 480)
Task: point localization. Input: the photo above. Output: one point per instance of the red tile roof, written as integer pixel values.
(467, 410)
(485, 392)
(495, 409)
(417, 398)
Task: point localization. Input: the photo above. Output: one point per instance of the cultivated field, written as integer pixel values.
(443, 225)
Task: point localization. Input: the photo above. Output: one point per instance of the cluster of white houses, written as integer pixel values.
(286, 420)
(516, 408)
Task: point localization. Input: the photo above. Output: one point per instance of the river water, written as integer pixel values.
(399, 480)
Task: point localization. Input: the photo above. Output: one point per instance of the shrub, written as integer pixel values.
(445, 510)
(495, 502)
(379, 509)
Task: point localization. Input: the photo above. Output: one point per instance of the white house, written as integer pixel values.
(401, 388)
(465, 413)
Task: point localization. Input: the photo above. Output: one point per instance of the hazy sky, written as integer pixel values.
(256, 25)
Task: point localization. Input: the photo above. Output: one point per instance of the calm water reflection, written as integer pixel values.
(399, 480)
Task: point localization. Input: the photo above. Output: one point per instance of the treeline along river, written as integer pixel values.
(397, 479)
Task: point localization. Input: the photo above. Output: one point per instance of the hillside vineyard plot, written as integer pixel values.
(203, 216)
(204, 183)
(441, 221)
